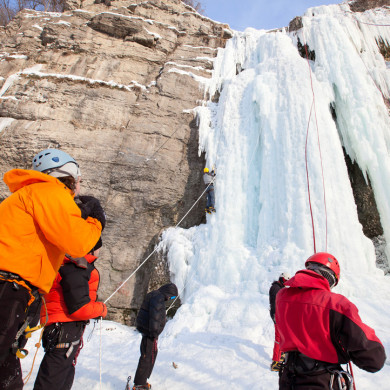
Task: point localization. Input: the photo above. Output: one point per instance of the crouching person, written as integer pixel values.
(150, 322)
(71, 303)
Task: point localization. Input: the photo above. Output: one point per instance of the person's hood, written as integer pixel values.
(169, 290)
(81, 262)
(19, 178)
(308, 279)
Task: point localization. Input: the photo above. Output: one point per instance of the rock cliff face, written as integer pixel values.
(115, 87)
(363, 5)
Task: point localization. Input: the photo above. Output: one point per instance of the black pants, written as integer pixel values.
(146, 361)
(57, 370)
(14, 299)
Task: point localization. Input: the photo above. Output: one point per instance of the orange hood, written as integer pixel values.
(19, 178)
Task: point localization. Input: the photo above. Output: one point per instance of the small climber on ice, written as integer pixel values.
(209, 178)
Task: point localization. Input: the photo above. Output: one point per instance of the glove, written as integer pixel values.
(104, 310)
(91, 207)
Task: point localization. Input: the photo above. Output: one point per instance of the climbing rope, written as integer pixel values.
(306, 162)
(249, 165)
(100, 353)
(350, 369)
(358, 51)
(157, 247)
(170, 137)
(359, 21)
(133, 273)
(38, 344)
(308, 181)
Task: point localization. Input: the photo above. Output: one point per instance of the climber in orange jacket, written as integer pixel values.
(39, 223)
(70, 304)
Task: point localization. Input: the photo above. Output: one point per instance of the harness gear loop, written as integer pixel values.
(70, 346)
(350, 369)
(128, 386)
(344, 379)
(21, 353)
(26, 331)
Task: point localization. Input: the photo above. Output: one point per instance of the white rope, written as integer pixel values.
(169, 137)
(100, 353)
(201, 195)
(130, 276)
(157, 247)
(191, 277)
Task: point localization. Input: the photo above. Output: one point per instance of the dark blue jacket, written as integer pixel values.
(151, 317)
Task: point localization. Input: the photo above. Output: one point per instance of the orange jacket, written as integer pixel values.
(39, 223)
(57, 309)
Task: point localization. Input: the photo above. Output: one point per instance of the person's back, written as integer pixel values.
(151, 317)
(150, 322)
(208, 179)
(320, 330)
(70, 304)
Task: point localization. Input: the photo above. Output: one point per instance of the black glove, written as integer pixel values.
(91, 207)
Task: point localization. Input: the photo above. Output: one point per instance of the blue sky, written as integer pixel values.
(260, 14)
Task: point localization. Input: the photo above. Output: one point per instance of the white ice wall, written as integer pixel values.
(255, 136)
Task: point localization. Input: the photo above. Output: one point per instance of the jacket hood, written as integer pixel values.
(19, 178)
(89, 258)
(308, 279)
(169, 290)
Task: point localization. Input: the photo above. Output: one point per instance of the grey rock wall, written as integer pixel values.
(363, 5)
(115, 87)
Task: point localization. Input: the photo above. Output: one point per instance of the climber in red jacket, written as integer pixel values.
(320, 330)
(70, 304)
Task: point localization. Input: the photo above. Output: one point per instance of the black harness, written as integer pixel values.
(296, 363)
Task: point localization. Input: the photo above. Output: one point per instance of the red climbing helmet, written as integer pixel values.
(327, 260)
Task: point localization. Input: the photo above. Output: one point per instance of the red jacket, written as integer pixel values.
(73, 294)
(323, 325)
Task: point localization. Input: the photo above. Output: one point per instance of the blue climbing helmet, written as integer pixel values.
(56, 162)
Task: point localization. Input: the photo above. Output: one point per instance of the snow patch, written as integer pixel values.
(155, 35)
(199, 79)
(5, 122)
(111, 84)
(201, 68)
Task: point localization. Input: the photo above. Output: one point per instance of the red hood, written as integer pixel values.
(19, 178)
(308, 279)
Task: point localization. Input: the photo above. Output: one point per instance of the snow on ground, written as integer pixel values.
(222, 336)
